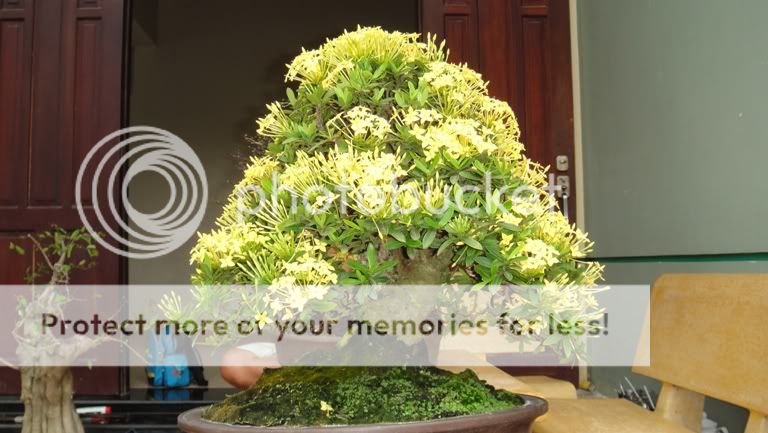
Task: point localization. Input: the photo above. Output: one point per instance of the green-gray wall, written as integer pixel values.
(674, 102)
(675, 125)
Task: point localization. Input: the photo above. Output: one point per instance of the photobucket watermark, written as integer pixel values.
(393, 198)
(106, 209)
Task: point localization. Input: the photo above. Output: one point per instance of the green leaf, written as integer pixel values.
(510, 227)
(399, 235)
(421, 166)
(371, 256)
(413, 243)
(350, 281)
(446, 217)
(291, 95)
(483, 261)
(400, 99)
(380, 71)
(16, 248)
(491, 248)
(446, 244)
(393, 244)
(358, 267)
(415, 233)
(473, 243)
(389, 264)
(428, 238)
(431, 222)
(479, 286)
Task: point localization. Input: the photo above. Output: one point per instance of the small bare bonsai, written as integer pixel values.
(46, 378)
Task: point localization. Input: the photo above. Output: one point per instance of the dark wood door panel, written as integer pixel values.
(455, 22)
(522, 47)
(15, 94)
(61, 91)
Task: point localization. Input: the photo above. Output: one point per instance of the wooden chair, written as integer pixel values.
(708, 338)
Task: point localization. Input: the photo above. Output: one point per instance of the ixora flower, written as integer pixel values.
(384, 121)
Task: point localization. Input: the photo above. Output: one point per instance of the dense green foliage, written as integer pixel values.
(359, 395)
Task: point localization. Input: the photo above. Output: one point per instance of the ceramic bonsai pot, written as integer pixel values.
(517, 420)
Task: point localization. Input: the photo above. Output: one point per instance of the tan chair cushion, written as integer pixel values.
(549, 388)
(602, 416)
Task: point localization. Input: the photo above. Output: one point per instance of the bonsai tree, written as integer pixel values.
(47, 390)
(388, 165)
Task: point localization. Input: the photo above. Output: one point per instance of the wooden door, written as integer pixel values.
(522, 47)
(61, 91)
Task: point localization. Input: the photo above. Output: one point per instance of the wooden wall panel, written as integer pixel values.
(16, 40)
(15, 94)
(45, 139)
(495, 45)
(456, 22)
(61, 91)
(536, 106)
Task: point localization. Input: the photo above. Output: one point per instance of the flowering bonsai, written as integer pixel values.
(386, 165)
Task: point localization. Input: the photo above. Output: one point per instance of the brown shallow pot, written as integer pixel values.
(517, 420)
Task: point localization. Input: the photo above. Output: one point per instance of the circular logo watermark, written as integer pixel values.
(143, 149)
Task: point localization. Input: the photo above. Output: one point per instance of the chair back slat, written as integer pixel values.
(709, 334)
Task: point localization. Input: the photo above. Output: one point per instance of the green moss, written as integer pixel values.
(359, 395)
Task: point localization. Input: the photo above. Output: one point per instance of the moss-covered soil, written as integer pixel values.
(359, 395)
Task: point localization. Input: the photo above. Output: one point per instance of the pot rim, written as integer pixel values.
(191, 422)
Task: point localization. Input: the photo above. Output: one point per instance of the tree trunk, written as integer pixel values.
(47, 396)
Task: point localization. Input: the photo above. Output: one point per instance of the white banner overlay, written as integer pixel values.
(338, 325)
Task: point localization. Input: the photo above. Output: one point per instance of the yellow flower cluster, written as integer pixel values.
(539, 255)
(306, 66)
(311, 270)
(459, 137)
(222, 247)
(341, 70)
(258, 169)
(417, 117)
(443, 75)
(536, 254)
(315, 66)
(275, 123)
(509, 218)
(498, 116)
(362, 123)
(457, 84)
(303, 278)
(369, 176)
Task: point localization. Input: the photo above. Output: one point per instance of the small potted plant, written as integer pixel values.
(404, 132)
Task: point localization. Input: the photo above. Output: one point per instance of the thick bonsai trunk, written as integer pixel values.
(47, 396)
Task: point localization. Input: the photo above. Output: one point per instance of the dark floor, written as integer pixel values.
(141, 411)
